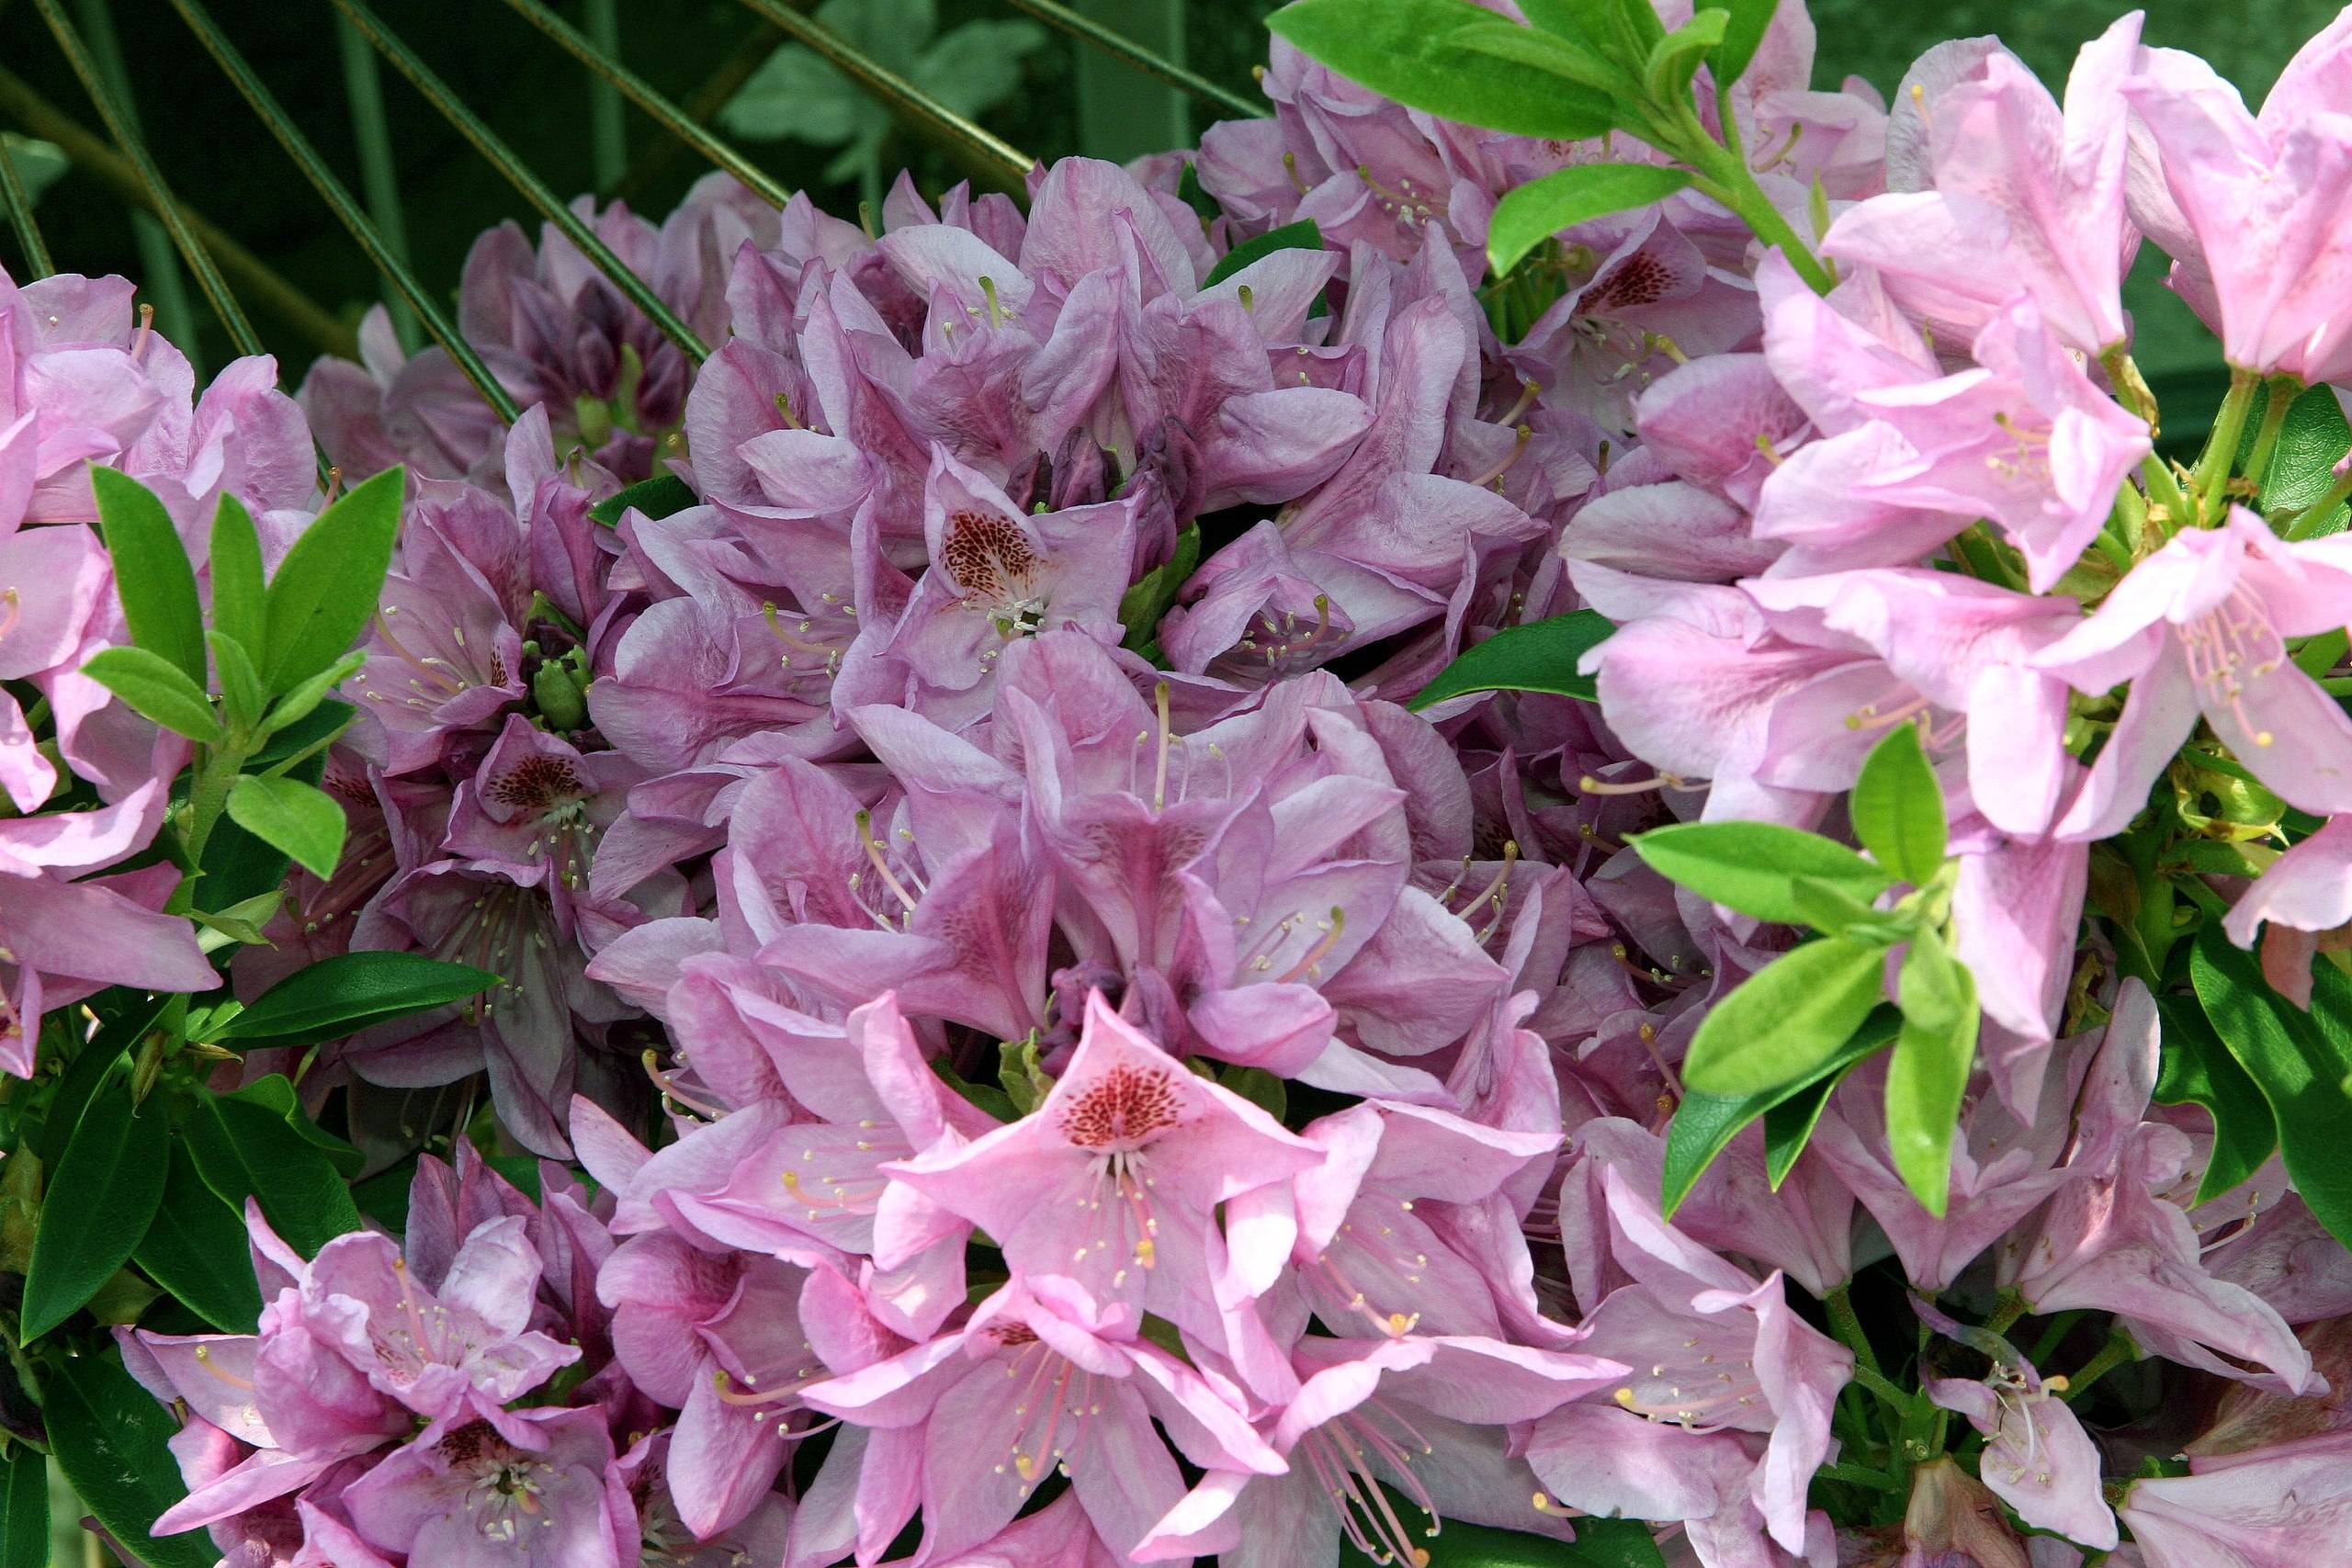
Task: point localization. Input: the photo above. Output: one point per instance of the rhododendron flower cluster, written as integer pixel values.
(1172, 872)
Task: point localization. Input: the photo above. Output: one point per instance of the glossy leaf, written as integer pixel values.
(155, 689)
(1928, 1073)
(1898, 808)
(1600, 1543)
(125, 1016)
(2199, 1069)
(2299, 1060)
(24, 1508)
(195, 1248)
(243, 1150)
(1303, 235)
(240, 593)
(1755, 868)
(1538, 656)
(326, 589)
(1743, 30)
(1788, 1126)
(109, 1436)
(275, 1094)
(658, 497)
(1783, 1023)
(1413, 50)
(302, 820)
(100, 1197)
(351, 991)
(1704, 1124)
(1532, 213)
(151, 572)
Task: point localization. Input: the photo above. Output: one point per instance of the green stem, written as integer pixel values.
(2212, 473)
(2164, 492)
(1724, 175)
(2306, 523)
(2118, 1350)
(2123, 373)
(1847, 1327)
(1859, 1475)
(2283, 393)
(2059, 1327)
(2006, 1312)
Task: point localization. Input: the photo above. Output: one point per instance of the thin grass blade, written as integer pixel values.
(20, 218)
(1117, 44)
(607, 135)
(363, 91)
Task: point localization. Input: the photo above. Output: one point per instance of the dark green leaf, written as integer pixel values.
(1529, 215)
(1749, 20)
(1302, 236)
(241, 690)
(109, 1437)
(1413, 50)
(1930, 1071)
(1781, 1024)
(2312, 440)
(240, 595)
(195, 1248)
(155, 689)
(152, 573)
(2197, 1067)
(92, 1062)
(1190, 191)
(24, 1509)
(302, 819)
(657, 497)
(1600, 1543)
(275, 1094)
(1704, 1124)
(1754, 867)
(326, 589)
(243, 1150)
(1538, 656)
(1142, 606)
(1898, 808)
(1788, 1126)
(2299, 1060)
(350, 991)
(99, 1200)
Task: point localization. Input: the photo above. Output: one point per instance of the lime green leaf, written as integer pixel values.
(240, 682)
(299, 818)
(1530, 214)
(240, 596)
(351, 991)
(1675, 58)
(327, 587)
(152, 573)
(2299, 1060)
(1302, 236)
(103, 1194)
(155, 688)
(195, 1248)
(1704, 1124)
(1898, 808)
(1780, 1025)
(2197, 1067)
(657, 498)
(1142, 606)
(109, 1437)
(1755, 867)
(309, 693)
(1930, 1072)
(1414, 51)
(1743, 32)
(243, 1150)
(24, 1509)
(1788, 1126)
(1538, 656)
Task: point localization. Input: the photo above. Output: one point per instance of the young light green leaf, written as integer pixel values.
(1898, 808)
(1780, 1025)
(99, 1200)
(241, 691)
(1412, 50)
(1141, 607)
(1538, 656)
(157, 689)
(351, 991)
(110, 1438)
(2197, 1067)
(327, 587)
(1754, 867)
(302, 820)
(1704, 1124)
(1928, 1073)
(152, 574)
(296, 704)
(2298, 1059)
(1302, 236)
(196, 1248)
(1675, 58)
(1529, 215)
(240, 596)
(1743, 33)
(1833, 911)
